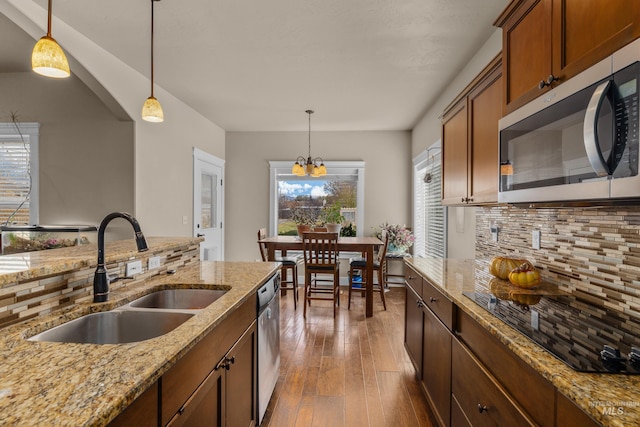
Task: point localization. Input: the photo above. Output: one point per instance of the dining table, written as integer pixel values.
(363, 245)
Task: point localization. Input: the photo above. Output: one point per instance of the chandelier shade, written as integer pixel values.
(313, 167)
(48, 58)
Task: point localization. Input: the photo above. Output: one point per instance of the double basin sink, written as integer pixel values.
(150, 316)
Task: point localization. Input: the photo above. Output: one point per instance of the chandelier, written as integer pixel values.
(313, 167)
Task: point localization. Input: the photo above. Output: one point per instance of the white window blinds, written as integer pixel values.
(18, 178)
(429, 214)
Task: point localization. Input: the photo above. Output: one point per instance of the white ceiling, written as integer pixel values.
(257, 65)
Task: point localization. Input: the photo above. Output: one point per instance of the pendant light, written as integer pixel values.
(152, 110)
(312, 167)
(47, 57)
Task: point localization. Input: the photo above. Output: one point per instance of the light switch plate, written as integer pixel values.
(535, 239)
(154, 262)
(133, 268)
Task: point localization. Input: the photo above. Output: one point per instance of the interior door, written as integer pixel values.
(208, 172)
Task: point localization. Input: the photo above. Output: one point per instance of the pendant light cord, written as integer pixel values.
(152, 1)
(49, 19)
(309, 112)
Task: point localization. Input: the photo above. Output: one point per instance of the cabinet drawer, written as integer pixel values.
(458, 418)
(413, 279)
(438, 303)
(480, 397)
(535, 394)
(190, 371)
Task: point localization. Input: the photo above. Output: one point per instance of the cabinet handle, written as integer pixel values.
(419, 303)
(548, 82)
(230, 361)
(482, 408)
(463, 200)
(432, 299)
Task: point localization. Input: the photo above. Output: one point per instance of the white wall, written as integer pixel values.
(387, 157)
(163, 188)
(461, 220)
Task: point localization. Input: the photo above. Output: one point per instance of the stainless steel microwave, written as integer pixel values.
(577, 142)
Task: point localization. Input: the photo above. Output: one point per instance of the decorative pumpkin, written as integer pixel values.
(501, 266)
(525, 299)
(525, 276)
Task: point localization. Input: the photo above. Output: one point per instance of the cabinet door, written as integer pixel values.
(455, 161)
(481, 399)
(436, 367)
(240, 390)
(205, 407)
(485, 105)
(413, 329)
(569, 415)
(142, 412)
(527, 51)
(586, 32)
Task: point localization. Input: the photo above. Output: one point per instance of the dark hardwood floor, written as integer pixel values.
(347, 371)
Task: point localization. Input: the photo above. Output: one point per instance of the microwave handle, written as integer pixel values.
(591, 143)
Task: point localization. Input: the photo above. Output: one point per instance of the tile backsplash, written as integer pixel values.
(593, 252)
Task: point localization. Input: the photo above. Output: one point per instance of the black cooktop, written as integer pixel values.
(586, 337)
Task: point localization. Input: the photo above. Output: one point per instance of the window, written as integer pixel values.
(344, 184)
(19, 173)
(428, 213)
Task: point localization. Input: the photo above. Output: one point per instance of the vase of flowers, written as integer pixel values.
(400, 237)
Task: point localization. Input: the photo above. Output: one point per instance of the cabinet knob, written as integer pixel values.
(432, 299)
(419, 304)
(482, 408)
(464, 199)
(548, 82)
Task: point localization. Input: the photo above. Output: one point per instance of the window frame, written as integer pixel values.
(420, 163)
(29, 133)
(282, 168)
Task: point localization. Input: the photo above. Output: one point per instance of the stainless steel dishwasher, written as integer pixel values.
(268, 342)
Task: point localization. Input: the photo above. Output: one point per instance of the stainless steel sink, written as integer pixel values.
(179, 299)
(114, 327)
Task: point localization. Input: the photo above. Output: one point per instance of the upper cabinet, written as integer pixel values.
(470, 141)
(546, 42)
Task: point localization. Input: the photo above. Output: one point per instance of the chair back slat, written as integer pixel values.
(382, 252)
(320, 249)
(262, 233)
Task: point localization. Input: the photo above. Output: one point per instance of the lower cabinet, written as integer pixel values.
(142, 412)
(469, 377)
(227, 397)
(436, 371)
(479, 396)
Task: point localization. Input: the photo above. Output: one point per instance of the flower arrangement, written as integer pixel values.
(400, 237)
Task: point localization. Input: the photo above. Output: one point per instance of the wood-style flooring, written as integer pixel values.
(348, 371)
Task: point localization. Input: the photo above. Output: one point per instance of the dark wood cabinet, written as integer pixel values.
(436, 371)
(481, 399)
(569, 415)
(470, 141)
(413, 329)
(215, 382)
(559, 38)
(141, 412)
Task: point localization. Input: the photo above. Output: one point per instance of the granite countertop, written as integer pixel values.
(59, 384)
(591, 392)
(31, 265)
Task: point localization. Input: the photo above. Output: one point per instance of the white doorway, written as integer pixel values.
(208, 200)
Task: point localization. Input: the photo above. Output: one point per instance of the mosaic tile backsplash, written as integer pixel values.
(593, 253)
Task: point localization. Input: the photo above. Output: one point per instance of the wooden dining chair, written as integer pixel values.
(321, 257)
(288, 264)
(379, 266)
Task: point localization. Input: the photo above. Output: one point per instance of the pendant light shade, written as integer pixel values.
(47, 57)
(312, 167)
(151, 109)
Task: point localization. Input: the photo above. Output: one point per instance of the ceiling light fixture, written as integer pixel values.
(313, 167)
(47, 58)
(152, 110)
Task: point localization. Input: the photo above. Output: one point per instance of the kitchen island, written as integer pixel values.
(59, 384)
(609, 399)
